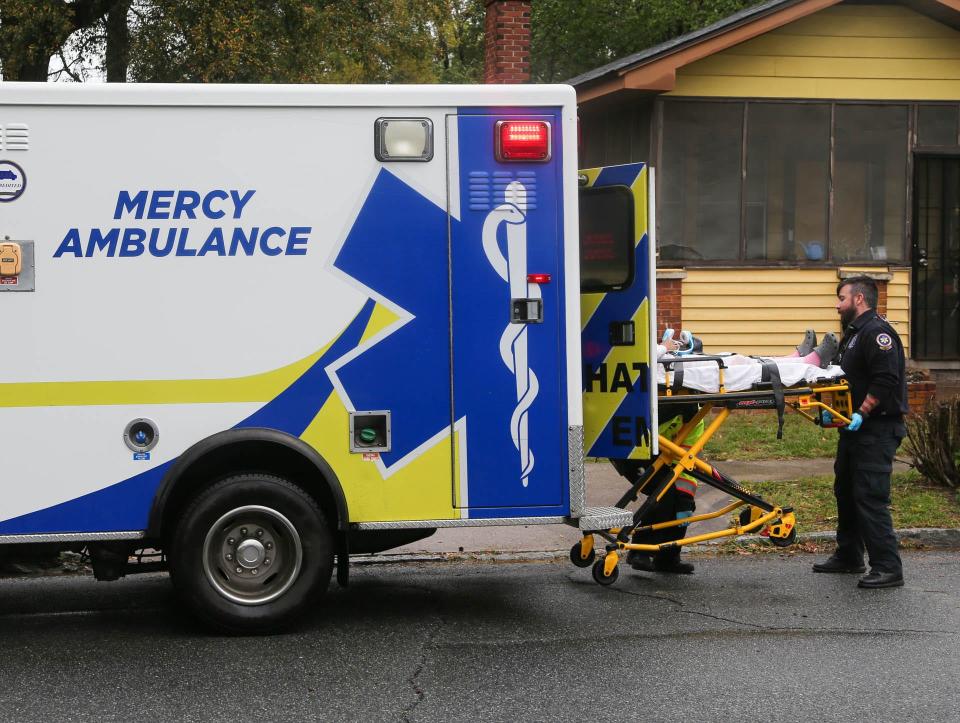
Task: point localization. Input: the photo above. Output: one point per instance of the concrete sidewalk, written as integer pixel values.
(604, 488)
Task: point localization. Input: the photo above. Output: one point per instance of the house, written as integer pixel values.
(796, 143)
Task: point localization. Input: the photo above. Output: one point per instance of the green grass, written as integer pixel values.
(746, 437)
(915, 502)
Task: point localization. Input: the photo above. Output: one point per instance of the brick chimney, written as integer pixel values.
(507, 42)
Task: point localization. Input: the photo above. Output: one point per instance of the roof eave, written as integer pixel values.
(655, 69)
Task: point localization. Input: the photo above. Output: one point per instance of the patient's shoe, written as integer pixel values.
(668, 342)
(808, 344)
(685, 344)
(827, 350)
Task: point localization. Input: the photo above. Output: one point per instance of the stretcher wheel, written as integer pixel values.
(784, 541)
(577, 559)
(600, 577)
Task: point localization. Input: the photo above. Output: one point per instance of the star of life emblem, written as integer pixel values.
(512, 268)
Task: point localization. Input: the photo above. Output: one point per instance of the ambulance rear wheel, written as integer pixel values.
(577, 558)
(600, 576)
(251, 554)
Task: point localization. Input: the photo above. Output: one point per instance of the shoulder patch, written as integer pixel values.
(884, 342)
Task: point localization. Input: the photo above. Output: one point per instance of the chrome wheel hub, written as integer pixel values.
(252, 555)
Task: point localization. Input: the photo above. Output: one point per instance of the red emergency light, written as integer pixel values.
(523, 140)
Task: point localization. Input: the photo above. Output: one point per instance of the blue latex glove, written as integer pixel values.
(827, 419)
(855, 421)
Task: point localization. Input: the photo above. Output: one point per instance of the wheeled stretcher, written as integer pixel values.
(819, 395)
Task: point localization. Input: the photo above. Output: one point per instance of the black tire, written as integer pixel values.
(784, 541)
(237, 524)
(579, 561)
(600, 578)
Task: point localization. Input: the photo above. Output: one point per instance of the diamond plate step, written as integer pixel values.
(603, 518)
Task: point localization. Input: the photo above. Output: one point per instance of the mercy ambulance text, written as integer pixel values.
(176, 241)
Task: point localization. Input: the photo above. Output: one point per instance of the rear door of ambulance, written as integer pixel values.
(508, 313)
(618, 311)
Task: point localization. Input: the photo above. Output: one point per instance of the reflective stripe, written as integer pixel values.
(686, 486)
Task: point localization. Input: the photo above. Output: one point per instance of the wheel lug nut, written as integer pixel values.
(254, 571)
(231, 541)
(269, 545)
(229, 557)
(259, 533)
(239, 570)
(266, 561)
(243, 532)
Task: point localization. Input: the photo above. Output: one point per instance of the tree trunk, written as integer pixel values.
(17, 67)
(118, 42)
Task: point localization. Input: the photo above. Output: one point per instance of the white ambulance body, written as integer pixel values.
(264, 327)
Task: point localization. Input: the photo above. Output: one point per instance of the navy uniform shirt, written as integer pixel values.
(871, 356)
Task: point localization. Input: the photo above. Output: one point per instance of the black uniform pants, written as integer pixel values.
(862, 487)
(666, 510)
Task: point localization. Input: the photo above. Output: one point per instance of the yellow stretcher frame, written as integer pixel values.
(776, 522)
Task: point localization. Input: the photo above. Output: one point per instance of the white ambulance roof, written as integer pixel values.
(126, 94)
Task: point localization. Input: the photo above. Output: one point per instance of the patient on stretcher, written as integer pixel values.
(807, 352)
(809, 363)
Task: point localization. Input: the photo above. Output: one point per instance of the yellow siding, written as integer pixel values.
(867, 52)
(766, 311)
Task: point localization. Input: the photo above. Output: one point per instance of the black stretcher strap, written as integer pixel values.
(770, 372)
(677, 385)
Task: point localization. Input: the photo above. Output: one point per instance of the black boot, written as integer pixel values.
(639, 560)
(669, 561)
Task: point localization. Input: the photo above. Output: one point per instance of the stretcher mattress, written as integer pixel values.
(742, 373)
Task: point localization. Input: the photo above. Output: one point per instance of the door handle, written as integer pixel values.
(526, 311)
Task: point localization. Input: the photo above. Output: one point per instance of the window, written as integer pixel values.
(789, 181)
(606, 238)
(870, 177)
(700, 194)
(788, 164)
(937, 125)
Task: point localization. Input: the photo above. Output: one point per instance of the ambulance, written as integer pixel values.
(252, 330)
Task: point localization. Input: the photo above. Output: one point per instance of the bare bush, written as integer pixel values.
(934, 442)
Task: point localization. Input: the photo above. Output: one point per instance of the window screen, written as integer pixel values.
(869, 184)
(937, 125)
(700, 180)
(788, 149)
(606, 238)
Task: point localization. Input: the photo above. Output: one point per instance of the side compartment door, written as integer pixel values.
(618, 315)
(509, 396)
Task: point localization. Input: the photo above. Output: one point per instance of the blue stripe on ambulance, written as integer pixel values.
(398, 248)
(126, 505)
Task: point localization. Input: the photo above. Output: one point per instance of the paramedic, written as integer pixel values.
(871, 355)
(677, 504)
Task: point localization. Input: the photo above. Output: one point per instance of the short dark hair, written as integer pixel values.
(862, 285)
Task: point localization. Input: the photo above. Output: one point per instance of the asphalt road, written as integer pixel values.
(745, 638)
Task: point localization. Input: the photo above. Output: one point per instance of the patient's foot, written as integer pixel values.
(826, 351)
(808, 344)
